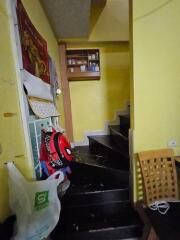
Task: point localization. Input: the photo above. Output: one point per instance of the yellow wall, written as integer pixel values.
(94, 102)
(112, 23)
(12, 140)
(156, 39)
(11, 133)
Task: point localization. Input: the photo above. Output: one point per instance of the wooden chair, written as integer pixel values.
(159, 178)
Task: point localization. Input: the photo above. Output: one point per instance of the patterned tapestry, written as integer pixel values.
(34, 47)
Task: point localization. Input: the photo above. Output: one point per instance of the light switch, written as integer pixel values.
(172, 143)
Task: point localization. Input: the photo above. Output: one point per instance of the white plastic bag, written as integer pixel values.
(35, 204)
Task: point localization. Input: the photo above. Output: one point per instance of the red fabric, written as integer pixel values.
(34, 47)
(64, 145)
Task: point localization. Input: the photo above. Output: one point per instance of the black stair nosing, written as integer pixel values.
(121, 233)
(105, 140)
(100, 191)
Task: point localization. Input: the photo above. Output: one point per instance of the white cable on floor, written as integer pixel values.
(162, 206)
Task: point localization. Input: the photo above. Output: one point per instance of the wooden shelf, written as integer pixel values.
(83, 76)
(76, 56)
(90, 61)
(76, 65)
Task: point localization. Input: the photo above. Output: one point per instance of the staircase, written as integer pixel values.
(97, 204)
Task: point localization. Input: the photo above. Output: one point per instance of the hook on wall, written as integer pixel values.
(5, 163)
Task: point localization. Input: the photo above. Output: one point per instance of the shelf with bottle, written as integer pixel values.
(93, 67)
(83, 64)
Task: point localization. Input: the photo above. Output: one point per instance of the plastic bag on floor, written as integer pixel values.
(35, 204)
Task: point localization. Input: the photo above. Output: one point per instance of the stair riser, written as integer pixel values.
(90, 199)
(97, 210)
(124, 121)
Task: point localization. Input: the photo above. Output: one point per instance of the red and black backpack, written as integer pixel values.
(55, 151)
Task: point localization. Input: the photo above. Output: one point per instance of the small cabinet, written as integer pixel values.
(83, 64)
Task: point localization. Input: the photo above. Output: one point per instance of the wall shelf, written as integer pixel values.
(83, 64)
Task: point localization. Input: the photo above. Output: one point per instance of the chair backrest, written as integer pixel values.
(159, 175)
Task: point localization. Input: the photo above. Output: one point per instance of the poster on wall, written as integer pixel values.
(34, 47)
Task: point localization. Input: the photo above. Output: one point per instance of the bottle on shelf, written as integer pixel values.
(73, 61)
(97, 56)
(89, 57)
(97, 68)
(71, 69)
(93, 67)
(69, 61)
(93, 57)
(90, 66)
(83, 68)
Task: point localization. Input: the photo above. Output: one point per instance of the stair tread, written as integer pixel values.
(106, 141)
(100, 160)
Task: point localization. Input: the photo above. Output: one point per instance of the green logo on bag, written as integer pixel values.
(41, 200)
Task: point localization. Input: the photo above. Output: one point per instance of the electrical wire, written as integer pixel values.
(153, 11)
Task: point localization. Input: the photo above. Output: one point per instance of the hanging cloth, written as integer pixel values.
(39, 96)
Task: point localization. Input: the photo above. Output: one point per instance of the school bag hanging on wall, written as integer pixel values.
(35, 204)
(55, 152)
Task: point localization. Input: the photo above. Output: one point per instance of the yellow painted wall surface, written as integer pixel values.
(12, 141)
(112, 23)
(11, 133)
(156, 39)
(94, 102)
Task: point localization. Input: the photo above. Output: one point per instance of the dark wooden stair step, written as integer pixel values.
(116, 156)
(92, 185)
(117, 129)
(105, 221)
(124, 120)
(124, 124)
(119, 138)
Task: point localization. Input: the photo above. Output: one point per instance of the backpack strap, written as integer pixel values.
(56, 144)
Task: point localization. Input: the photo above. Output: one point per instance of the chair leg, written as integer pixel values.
(152, 235)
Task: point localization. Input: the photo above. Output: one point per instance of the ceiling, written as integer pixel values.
(69, 18)
(88, 20)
